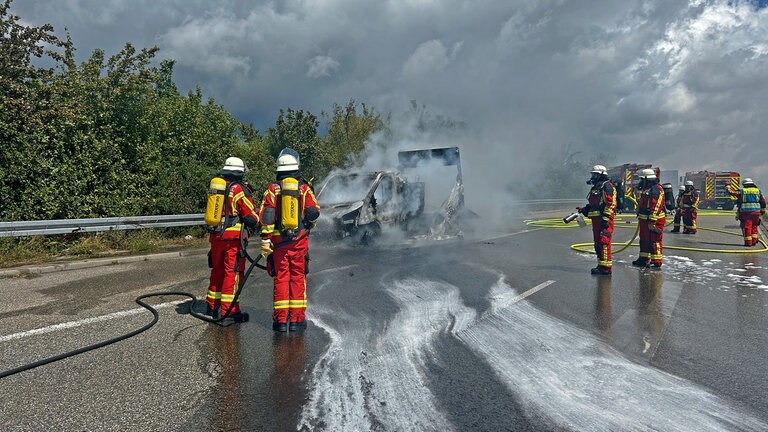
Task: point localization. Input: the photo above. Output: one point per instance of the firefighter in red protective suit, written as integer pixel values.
(601, 204)
(651, 217)
(225, 258)
(678, 210)
(690, 208)
(288, 211)
(750, 205)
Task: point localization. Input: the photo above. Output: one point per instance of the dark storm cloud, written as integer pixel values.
(672, 82)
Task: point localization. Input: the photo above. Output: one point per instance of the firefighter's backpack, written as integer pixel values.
(669, 197)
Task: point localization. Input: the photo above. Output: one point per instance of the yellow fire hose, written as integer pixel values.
(589, 247)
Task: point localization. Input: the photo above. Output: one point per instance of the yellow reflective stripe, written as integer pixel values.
(247, 202)
(214, 295)
(605, 263)
(593, 214)
(281, 302)
(645, 254)
(642, 217)
(227, 298)
(297, 304)
(268, 229)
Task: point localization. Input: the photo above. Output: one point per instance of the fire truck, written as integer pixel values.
(625, 177)
(713, 188)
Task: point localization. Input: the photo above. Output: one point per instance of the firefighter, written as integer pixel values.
(651, 218)
(690, 207)
(750, 205)
(226, 257)
(289, 209)
(601, 204)
(678, 210)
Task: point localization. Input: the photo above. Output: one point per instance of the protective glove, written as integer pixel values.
(582, 210)
(265, 249)
(652, 228)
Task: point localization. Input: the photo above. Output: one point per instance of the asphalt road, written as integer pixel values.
(499, 332)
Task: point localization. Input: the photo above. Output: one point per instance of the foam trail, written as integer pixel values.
(573, 381)
(366, 381)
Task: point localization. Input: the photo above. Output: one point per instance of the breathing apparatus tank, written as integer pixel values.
(669, 196)
(290, 207)
(215, 207)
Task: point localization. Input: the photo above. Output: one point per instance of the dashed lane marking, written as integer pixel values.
(73, 324)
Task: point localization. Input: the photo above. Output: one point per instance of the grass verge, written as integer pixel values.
(41, 249)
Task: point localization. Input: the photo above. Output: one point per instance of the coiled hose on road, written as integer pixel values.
(155, 317)
(625, 220)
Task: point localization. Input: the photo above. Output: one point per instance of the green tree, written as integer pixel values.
(298, 130)
(348, 131)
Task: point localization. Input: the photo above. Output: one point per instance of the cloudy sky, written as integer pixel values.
(678, 83)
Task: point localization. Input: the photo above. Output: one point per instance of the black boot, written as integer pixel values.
(640, 262)
(213, 312)
(600, 271)
(279, 327)
(675, 230)
(297, 326)
(240, 317)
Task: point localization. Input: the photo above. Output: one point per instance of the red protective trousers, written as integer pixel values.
(224, 278)
(602, 239)
(677, 219)
(650, 242)
(290, 293)
(749, 223)
(689, 220)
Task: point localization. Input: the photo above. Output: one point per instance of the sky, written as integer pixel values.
(680, 84)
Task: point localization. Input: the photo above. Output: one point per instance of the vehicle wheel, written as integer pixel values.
(367, 234)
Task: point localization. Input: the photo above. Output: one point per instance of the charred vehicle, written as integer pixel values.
(362, 205)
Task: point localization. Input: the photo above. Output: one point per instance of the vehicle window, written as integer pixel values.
(383, 193)
(346, 188)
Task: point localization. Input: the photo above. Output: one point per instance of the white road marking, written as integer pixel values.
(570, 379)
(73, 324)
(510, 234)
(531, 291)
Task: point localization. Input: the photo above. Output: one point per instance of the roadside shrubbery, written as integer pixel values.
(113, 136)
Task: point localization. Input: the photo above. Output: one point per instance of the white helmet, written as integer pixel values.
(648, 174)
(682, 187)
(688, 183)
(288, 160)
(747, 181)
(599, 169)
(235, 164)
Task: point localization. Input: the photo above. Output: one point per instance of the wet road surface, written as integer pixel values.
(502, 332)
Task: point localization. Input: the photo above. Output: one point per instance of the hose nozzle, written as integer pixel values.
(575, 216)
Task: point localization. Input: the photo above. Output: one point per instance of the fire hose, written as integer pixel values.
(155, 317)
(558, 223)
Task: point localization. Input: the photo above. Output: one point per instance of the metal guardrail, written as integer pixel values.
(71, 226)
(551, 201)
